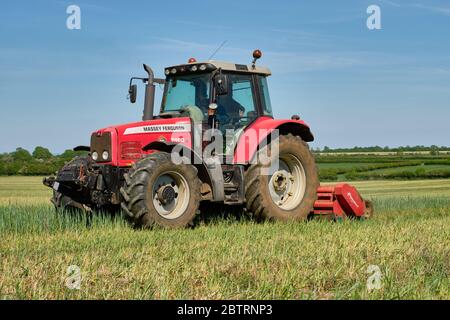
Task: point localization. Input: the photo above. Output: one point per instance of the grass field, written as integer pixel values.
(408, 239)
(413, 168)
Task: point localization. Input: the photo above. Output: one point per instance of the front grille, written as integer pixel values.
(101, 142)
(131, 150)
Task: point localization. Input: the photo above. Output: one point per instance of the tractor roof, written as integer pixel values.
(229, 66)
(211, 65)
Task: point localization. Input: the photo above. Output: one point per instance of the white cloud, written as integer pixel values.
(428, 7)
(203, 25)
(279, 62)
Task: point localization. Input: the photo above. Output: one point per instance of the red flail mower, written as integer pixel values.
(341, 201)
(215, 139)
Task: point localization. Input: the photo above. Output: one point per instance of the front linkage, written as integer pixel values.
(87, 183)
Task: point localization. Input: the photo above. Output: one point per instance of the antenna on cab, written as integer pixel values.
(217, 50)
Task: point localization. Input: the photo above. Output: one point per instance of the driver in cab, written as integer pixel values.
(229, 111)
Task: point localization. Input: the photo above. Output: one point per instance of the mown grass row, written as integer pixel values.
(419, 173)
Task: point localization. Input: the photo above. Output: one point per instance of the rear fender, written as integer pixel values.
(258, 133)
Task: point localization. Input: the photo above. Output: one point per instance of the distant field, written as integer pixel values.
(23, 191)
(341, 165)
(229, 258)
(347, 165)
(403, 189)
(373, 166)
(414, 168)
(383, 153)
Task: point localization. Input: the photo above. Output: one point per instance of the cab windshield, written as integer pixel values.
(188, 90)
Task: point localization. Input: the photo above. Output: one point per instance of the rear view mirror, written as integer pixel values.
(132, 91)
(221, 84)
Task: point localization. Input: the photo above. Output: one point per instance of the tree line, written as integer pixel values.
(42, 162)
(39, 162)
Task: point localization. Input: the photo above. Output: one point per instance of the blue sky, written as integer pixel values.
(354, 86)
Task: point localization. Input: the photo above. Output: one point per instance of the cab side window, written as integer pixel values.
(239, 103)
(265, 98)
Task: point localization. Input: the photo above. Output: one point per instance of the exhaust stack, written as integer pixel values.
(149, 94)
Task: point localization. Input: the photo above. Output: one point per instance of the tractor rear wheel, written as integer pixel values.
(159, 192)
(289, 192)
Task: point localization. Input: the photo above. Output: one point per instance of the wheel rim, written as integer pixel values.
(287, 185)
(170, 195)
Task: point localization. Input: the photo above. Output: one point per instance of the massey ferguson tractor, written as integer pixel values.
(215, 139)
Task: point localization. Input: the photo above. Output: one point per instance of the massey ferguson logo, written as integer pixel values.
(184, 127)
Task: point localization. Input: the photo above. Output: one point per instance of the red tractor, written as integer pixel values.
(208, 143)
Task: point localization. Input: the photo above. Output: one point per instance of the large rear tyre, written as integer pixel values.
(289, 193)
(159, 192)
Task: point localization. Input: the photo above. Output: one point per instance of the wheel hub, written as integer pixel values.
(279, 181)
(170, 195)
(287, 185)
(166, 194)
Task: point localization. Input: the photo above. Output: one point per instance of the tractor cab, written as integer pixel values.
(235, 94)
(219, 95)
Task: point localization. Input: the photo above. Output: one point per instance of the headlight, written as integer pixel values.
(105, 155)
(94, 156)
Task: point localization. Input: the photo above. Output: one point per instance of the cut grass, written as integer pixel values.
(230, 259)
(426, 168)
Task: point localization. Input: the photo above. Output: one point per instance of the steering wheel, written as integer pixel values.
(223, 119)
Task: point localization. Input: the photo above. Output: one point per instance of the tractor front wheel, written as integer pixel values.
(159, 192)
